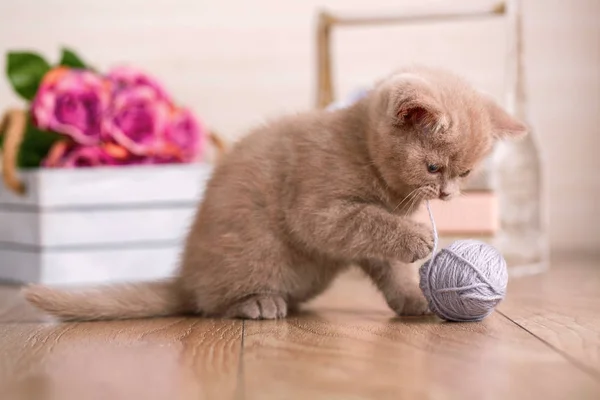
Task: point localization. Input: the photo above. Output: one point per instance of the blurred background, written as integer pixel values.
(237, 63)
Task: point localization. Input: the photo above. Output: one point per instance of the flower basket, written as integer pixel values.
(77, 223)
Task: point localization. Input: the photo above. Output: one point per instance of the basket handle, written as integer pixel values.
(218, 142)
(13, 125)
(325, 91)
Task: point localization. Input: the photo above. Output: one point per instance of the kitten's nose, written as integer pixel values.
(444, 195)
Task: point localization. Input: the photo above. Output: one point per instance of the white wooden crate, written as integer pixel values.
(98, 224)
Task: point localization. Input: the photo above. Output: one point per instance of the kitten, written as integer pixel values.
(300, 200)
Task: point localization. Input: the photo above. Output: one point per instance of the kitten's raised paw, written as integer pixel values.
(418, 243)
(260, 306)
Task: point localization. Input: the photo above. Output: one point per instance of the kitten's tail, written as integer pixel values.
(121, 301)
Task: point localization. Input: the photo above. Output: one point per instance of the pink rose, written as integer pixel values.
(153, 160)
(137, 119)
(126, 77)
(72, 102)
(87, 157)
(69, 155)
(186, 134)
(168, 159)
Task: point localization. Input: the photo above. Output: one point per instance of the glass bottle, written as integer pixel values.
(517, 174)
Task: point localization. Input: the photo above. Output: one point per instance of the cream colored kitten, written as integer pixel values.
(300, 200)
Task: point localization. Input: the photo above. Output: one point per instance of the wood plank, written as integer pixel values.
(347, 344)
(350, 346)
(562, 307)
(172, 358)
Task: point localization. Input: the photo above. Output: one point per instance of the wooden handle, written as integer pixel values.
(324, 73)
(216, 141)
(13, 125)
(327, 21)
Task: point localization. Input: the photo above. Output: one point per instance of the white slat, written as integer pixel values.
(109, 186)
(88, 267)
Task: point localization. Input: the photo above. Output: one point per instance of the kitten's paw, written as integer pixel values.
(260, 306)
(412, 305)
(418, 243)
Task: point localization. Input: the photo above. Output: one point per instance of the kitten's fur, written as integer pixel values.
(298, 201)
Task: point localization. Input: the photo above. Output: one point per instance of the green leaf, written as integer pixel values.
(25, 72)
(35, 146)
(70, 59)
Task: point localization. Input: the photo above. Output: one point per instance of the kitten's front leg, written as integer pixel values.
(358, 231)
(399, 284)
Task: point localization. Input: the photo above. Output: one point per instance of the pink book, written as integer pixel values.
(474, 213)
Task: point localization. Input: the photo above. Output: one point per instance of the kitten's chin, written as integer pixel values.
(446, 197)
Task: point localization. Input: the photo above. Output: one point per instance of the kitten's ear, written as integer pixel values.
(413, 102)
(419, 113)
(504, 125)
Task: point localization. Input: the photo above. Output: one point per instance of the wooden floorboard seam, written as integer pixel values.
(240, 390)
(576, 363)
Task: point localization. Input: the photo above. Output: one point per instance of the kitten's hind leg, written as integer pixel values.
(258, 306)
(399, 284)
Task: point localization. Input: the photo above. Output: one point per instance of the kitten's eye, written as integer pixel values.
(465, 174)
(433, 168)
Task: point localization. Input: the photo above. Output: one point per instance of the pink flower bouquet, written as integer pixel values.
(122, 117)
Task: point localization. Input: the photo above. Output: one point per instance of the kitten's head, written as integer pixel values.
(430, 129)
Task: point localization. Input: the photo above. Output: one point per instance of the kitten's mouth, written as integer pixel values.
(430, 193)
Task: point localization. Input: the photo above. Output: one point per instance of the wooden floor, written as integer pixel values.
(543, 343)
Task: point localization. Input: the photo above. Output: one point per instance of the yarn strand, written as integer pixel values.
(435, 232)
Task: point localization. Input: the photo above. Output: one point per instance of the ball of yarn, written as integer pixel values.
(465, 281)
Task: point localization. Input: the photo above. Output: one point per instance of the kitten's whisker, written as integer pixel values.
(403, 200)
(415, 200)
(418, 196)
(410, 206)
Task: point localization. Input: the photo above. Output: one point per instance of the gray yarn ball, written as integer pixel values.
(465, 281)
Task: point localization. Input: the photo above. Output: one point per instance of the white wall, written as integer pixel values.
(238, 62)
